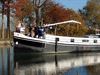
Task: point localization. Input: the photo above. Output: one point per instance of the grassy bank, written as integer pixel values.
(6, 43)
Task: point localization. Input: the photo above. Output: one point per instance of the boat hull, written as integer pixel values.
(50, 47)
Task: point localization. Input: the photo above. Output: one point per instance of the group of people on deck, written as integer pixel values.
(34, 31)
(37, 32)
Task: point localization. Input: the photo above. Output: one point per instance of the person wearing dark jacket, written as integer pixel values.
(41, 32)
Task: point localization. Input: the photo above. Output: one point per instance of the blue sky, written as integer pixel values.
(73, 4)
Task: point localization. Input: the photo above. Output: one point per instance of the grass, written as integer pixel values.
(6, 39)
(6, 43)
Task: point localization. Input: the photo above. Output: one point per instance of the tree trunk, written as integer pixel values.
(8, 19)
(2, 35)
(37, 17)
(2, 28)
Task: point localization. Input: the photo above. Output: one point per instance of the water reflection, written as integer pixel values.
(6, 61)
(77, 71)
(61, 64)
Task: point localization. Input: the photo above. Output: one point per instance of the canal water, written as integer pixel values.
(59, 64)
(7, 61)
(13, 63)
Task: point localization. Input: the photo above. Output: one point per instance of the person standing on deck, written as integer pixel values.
(36, 31)
(32, 31)
(41, 32)
(18, 26)
(22, 28)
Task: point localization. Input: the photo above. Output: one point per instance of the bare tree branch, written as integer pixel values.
(39, 2)
(43, 3)
(35, 2)
(38, 9)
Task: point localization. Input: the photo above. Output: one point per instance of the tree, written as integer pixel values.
(23, 8)
(38, 5)
(73, 29)
(56, 13)
(6, 11)
(2, 34)
(91, 13)
(4, 4)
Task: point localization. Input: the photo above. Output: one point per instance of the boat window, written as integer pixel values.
(72, 40)
(95, 41)
(85, 40)
(99, 36)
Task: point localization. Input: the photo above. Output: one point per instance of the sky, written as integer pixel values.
(72, 4)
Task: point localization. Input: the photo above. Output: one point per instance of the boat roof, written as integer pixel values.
(64, 22)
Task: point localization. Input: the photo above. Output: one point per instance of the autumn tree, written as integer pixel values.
(23, 8)
(73, 29)
(56, 13)
(31, 9)
(91, 13)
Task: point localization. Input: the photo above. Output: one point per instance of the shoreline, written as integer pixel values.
(6, 43)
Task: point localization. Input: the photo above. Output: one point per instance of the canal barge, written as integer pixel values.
(54, 43)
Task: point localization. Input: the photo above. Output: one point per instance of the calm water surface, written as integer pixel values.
(6, 61)
(60, 64)
(48, 64)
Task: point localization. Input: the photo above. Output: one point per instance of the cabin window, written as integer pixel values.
(99, 36)
(72, 40)
(85, 40)
(95, 41)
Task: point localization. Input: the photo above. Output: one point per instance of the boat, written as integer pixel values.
(57, 44)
